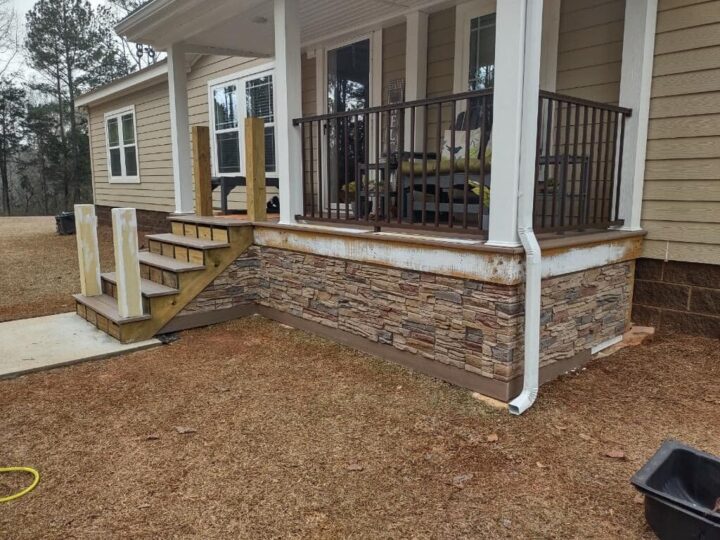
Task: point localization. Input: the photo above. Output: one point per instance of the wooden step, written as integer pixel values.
(168, 263)
(107, 307)
(148, 288)
(187, 241)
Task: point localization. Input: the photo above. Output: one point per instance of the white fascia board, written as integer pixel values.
(141, 15)
(133, 82)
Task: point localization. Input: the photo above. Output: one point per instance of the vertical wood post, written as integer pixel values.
(255, 169)
(127, 266)
(201, 170)
(87, 246)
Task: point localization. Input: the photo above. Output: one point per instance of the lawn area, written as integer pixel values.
(289, 435)
(39, 270)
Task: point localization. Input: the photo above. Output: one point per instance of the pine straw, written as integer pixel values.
(39, 268)
(285, 421)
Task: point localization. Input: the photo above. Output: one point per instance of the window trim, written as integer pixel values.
(118, 114)
(236, 78)
(464, 13)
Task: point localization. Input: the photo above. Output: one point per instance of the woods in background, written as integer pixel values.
(70, 47)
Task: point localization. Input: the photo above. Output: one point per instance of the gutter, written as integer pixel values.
(533, 254)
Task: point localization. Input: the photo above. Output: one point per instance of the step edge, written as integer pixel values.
(169, 291)
(117, 320)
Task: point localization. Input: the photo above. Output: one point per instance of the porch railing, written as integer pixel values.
(578, 174)
(427, 164)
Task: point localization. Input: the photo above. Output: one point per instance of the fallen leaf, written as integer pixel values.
(493, 437)
(585, 437)
(561, 428)
(152, 437)
(398, 388)
(460, 480)
(222, 388)
(183, 430)
(145, 505)
(541, 465)
(615, 454)
(639, 499)
(355, 467)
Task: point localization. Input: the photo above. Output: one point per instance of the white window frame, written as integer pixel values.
(123, 178)
(239, 78)
(464, 14)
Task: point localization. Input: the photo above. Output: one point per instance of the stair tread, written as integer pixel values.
(106, 306)
(187, 241)
(148, 288)
(168, 263)
(213, 221)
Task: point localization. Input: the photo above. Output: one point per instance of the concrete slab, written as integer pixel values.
(31, 345)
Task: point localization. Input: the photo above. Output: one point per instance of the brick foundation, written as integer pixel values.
(467, 325)
(678, 297)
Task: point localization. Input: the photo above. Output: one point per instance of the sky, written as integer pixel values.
(21, 8)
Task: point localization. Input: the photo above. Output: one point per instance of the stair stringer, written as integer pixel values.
(190, 284)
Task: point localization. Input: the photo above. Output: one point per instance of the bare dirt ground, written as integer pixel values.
(288, 435)
(39, 269)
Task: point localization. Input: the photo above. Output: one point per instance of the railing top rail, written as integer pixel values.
(396, 106)
(585, 102)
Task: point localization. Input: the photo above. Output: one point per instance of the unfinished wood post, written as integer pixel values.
(255, 169)
(87, 246)
(201, 170)
(127, 265)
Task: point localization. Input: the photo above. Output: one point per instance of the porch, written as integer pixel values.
(383, 152)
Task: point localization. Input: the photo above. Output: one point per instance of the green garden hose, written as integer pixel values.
(29, 470)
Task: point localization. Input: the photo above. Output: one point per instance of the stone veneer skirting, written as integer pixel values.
(450, 325)
(678, 296)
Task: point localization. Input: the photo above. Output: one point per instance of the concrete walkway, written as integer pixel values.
(46, 342)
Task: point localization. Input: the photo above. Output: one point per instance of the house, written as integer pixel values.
(465, 187)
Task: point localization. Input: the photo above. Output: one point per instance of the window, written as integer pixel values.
(232, 102)
(481, 68)
(121, 139)
(474, 46)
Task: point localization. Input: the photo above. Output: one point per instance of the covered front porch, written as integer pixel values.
(362, 140)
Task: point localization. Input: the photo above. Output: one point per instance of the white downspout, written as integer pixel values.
(526, 193)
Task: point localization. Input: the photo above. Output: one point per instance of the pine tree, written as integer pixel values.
(12, 112)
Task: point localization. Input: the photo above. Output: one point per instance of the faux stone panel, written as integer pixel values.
(463, 323)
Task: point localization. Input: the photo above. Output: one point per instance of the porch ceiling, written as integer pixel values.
(245, 27)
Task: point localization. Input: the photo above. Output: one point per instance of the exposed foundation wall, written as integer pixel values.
(676, 296)
(458, 325)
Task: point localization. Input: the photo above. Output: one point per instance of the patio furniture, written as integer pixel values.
(228, 183)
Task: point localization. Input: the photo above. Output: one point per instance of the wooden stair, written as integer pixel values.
(177, 267)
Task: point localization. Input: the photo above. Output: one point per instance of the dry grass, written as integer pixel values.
(39, 270)
(300, 437)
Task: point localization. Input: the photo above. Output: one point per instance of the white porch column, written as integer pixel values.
(288, 105)
(415, 70)
(635, 84)
(550, 41)
(180, 129)
(516, 94)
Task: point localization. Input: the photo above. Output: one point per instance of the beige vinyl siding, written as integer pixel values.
(393, 56)
(681, 199)
(152, 115)
(152, 118)
(441, 53)
(590, 49)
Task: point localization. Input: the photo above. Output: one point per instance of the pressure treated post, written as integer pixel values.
(255, 169)
(201, 170)
(87, 246)
(127, 266)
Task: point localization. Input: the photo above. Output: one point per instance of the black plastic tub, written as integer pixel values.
(681, 487)
(65, 222)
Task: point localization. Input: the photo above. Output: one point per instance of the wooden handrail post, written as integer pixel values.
(201, 170)
(255, 169)
(127, 265)
(87, 246)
